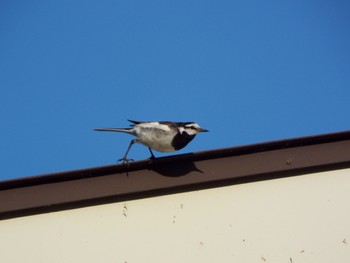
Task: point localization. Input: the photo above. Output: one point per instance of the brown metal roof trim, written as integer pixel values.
(173, 174)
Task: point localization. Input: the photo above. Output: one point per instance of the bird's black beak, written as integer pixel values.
(203, 130)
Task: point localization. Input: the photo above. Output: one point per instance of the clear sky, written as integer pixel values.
(249, 71)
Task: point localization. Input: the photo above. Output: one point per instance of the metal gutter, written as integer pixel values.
(174, 174)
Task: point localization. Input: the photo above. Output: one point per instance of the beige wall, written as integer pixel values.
(297, 219)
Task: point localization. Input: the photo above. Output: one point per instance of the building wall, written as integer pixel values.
(296, 219)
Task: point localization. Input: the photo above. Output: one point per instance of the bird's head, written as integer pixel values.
(191, 128)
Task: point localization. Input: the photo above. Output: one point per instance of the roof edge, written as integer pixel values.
(174, 174)
(195, 156)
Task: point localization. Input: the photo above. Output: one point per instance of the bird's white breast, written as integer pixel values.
(156, 136)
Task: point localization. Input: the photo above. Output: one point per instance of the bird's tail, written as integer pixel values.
(125, 130)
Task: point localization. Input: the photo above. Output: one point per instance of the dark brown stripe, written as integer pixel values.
(174, 174)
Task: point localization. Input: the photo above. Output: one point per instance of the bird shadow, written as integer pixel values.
(175, 169)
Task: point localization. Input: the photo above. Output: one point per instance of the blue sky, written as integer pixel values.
(249, 71)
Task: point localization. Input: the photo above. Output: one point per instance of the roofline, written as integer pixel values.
(172, 174)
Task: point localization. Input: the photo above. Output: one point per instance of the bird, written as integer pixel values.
(161, 136)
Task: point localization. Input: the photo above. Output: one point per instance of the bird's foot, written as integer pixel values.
(125, 160)
(151, 159)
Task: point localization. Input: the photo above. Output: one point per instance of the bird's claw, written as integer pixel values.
(125, 160)
(151, 159)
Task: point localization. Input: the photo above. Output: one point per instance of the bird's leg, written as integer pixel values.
(152, 155)
(124, 159)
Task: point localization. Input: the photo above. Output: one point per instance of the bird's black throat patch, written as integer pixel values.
(181, 140)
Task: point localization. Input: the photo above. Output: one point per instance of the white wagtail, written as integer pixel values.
(162, 136)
